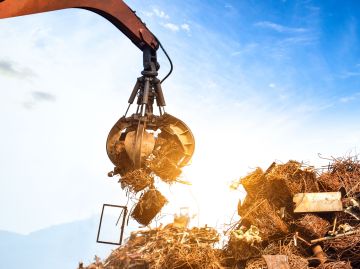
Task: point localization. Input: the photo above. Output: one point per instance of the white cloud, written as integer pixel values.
(9, 68)
(157, 12)
(185, 27)
(43, 96)
(349, 74)
(279, 28)
(347, 99)
(164, 16)
(39, 97)
(247, 48)
(231, 10)
(350, 98)
(147, 13)
(303, 40)
(160, 13)
(176, 27)
(172, 27)
(272, 85)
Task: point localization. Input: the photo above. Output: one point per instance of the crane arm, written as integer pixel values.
(115, 11)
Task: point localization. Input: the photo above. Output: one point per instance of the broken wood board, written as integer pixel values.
(317, 202)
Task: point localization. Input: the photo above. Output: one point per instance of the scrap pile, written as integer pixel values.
(312, 219)
(168, 247)
(293, 217)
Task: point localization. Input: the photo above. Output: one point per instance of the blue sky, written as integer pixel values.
(256, 81)
(308, 49)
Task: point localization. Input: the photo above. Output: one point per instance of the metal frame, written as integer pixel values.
(122, 224)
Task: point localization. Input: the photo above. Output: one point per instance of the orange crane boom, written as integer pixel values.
(115, 11)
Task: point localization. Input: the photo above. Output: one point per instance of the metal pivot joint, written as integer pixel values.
(147, 88)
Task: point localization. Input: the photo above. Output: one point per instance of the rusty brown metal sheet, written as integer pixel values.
(317, 202)
(115, 11)
(276, 261)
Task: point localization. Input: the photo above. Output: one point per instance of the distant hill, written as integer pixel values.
(57, 247)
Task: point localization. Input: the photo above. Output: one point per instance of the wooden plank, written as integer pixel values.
(317, 202)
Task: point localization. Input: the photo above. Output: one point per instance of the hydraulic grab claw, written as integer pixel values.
(135, 139)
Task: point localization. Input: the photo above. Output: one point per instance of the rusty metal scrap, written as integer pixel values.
(148, 206)
(168, 247)
(269, 234)
(321, 198)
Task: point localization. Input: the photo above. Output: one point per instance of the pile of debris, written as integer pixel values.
(168, 247)
(293, 217)
(306, 218)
